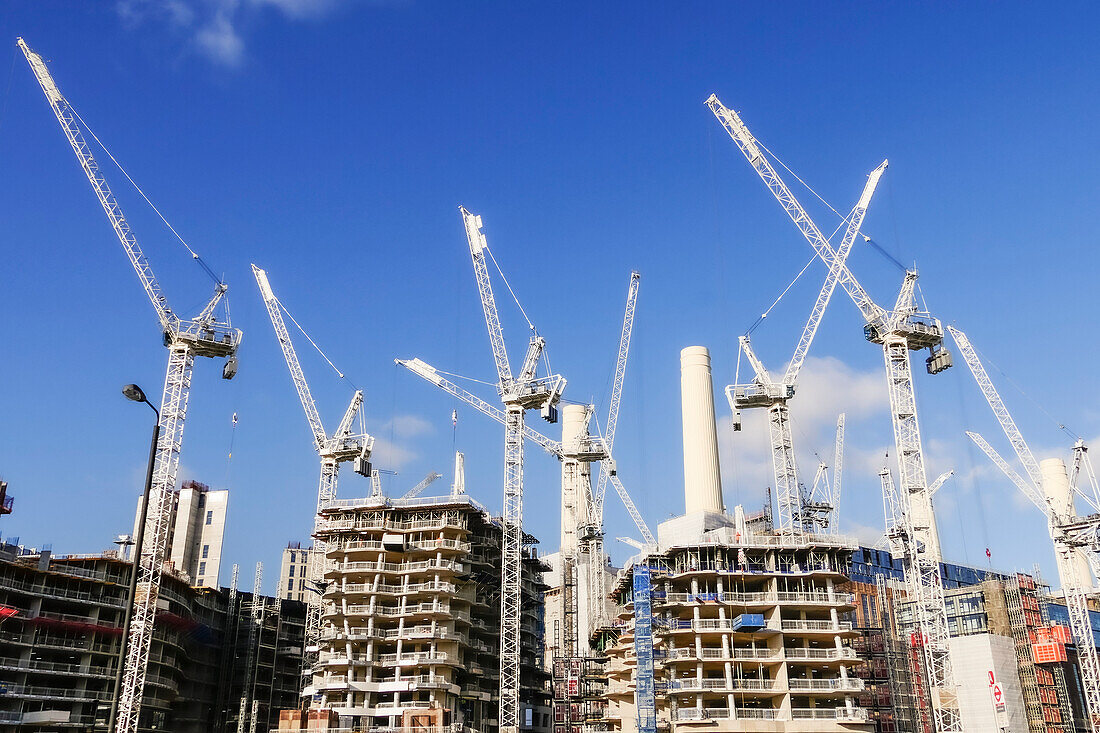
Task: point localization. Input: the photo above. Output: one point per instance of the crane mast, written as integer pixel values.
(205, 336)
(1074, 538)
(517, 397)
(898, 332)
(592, 536)
(344, 445)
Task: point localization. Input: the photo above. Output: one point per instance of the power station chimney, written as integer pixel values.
(1056, 488)
(702, 478)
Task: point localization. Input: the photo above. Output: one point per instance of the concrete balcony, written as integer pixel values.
(410, 658)
(689, 715)
(691, 684)
(820, 655)
(839, 713)
(836, 684)
(691, 654)
(817, 627)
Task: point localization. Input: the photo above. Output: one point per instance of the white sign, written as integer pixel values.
(998, 698)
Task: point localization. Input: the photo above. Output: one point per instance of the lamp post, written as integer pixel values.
(134, 393)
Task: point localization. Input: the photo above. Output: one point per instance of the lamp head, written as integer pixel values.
(133, 392)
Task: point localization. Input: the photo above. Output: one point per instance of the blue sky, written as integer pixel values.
(332, 142)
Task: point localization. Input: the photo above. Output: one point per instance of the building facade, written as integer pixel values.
(294, 573)
(748, 632)
(411, 626)
(198, 528)
(61, 636)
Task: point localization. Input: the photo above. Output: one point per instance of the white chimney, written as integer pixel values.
(1056, 488)
(702, 478)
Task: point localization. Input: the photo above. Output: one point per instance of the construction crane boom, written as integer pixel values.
(478, 246)
(274, 310)
(617, 385)
(430, 374)
(1008, 425)
(424, 483)
(737, 130)
(940, 480)
(855, 221)
(204, 336)
(67, 117)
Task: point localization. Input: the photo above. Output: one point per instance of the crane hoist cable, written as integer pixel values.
(509, 286)
(765, 314)
(866, 238)
(1061, 426)
(194, 254)
(309, 338)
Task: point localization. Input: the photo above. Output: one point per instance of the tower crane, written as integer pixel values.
(206, 335)
(1075, 539)
(823, 503)
(345, 444)
(898, 331)
(581, 516)
(592, 536)
(796, 513)
(424, 483)
(518, 393)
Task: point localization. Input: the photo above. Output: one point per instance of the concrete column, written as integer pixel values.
(702, 476)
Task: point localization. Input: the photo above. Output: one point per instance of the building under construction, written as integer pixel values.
(62, 630)
(728, 628)
(411, 629)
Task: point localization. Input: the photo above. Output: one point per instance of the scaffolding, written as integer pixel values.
(645, 698)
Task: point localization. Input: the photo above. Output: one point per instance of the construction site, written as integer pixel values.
(446, 608)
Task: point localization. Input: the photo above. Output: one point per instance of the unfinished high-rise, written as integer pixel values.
(725, 625)
(411, 627)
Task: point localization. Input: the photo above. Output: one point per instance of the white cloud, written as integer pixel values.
(408, 426)
(826, 388)
(213, 26)
(219, 40)
(300, 8)
(175, 12)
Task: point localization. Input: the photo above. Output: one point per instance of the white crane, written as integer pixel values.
(583, 511)
(795, 512)
(592, 535)
(822, 504)
(206, 335)
(424, 483)
(1075, 539)
(345, 444)
(518, 394)
(903, 329)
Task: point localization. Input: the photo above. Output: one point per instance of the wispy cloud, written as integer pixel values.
(213, 28)
(218, 39)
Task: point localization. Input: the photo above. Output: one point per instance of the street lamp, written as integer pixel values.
(134, 393)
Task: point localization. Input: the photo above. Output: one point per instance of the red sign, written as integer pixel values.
(992, 678)
(998, 696)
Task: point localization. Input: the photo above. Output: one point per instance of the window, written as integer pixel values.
(292, 571)
(210, 516)
(292, 556)
(202, 568)
(301, 585)
(205, 551)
